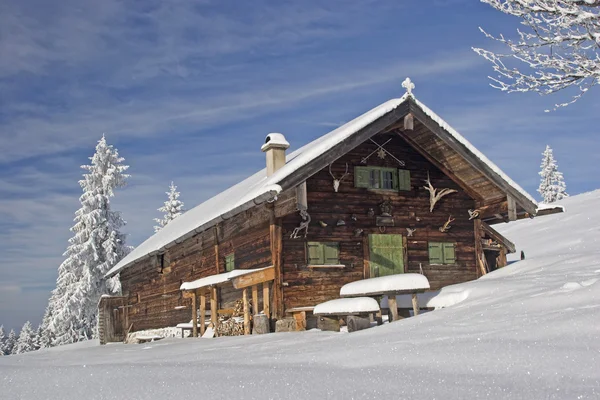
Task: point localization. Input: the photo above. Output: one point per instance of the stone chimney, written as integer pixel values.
(275, 146)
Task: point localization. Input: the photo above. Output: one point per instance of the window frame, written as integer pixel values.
(374, 178)
(323, 257)
(446, 259)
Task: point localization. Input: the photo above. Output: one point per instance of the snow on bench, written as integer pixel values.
(147, 338)
(354, 309)
(390, 285)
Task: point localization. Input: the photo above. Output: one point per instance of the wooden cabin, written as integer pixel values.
(395, 190)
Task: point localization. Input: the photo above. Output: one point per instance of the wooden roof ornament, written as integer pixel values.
(424, 130)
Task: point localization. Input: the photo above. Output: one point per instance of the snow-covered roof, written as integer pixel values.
(259, 188)
(385, 284)
(216, 279)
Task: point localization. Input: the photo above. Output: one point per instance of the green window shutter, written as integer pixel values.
(435, 253)
(315, 253)
(331, 253)
(361, 177)
(230, 262)
(449, 253)
(404, 179)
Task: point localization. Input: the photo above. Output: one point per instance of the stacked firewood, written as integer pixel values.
(232, 325)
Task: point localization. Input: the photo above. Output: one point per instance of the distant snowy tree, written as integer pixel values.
(10, 343)
(26, 340)
(172, 208)
(552, 185)
(97, 245)
(560, 47)
(37, 343)
(2, 340)
(46, 337)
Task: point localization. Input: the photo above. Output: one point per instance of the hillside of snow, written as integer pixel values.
(528, 331)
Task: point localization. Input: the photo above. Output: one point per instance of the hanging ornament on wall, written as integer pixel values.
(371, 212)
(410, 231)
(386, 218)
(446, 227)
(303, 225)
(336, 182)
(341, 222)
(358, 232)
(353, 217)
(381, 153)
(434, 195)
(473, 214)
(323, 224)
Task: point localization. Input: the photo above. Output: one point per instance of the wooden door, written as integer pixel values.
(386, 257)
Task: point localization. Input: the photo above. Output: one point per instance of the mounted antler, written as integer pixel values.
(446, 227)
(410, 231)
(336, 182)
(435, 196)
(303, 225)
(473, 214)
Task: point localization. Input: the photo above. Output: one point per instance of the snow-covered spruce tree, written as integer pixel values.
(96, 246)
(559, 47)
(2, 340)
(26, 340)
(552, 185)
(45, 333)
(10, 343)
(172, 208)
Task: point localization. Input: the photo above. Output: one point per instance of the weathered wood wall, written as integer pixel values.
(306, 287)
(155, 297)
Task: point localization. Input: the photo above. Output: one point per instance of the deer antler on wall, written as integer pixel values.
(434, 195)
(473, 214)
(336, 182)
(446, 227)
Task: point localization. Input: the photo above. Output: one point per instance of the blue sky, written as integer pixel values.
(187, 91)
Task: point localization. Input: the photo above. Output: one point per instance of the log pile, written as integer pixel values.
(232, 325)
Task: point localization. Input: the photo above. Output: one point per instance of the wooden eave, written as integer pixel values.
(496, 236)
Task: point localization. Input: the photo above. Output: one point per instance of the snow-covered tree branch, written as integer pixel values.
(172, 208)
(560, 47)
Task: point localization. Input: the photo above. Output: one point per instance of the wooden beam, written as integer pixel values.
(194, 314)
(512, 208)
(276, 233)
(301, 196)
(393, 306)
(366, 255)
(214, 318)
(266, 300)
(255, 309)
(246, 311)
(409, 124)
(254, 278)
(478, 249)
(217, 258)
(202, 313)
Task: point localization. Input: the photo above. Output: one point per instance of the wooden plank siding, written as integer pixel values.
(303, 286)
(154, 296)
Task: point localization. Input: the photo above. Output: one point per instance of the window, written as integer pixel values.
(382, 178)
(323, 253)
(442, 253)
(230, 262)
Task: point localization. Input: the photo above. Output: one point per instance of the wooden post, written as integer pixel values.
(246, 311)
(255, 307)
(266, 300)
(357, 323)
(478, 247)
(512, 208)
(415, 303)
(276, 245)
(194, 315)
(202, 312)
(213, 308)
(393, 306)
(217, 258)
(366, 255)
(300, 318)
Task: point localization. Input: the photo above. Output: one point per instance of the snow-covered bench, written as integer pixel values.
(390, 286)
(147, 338)
(355, 310)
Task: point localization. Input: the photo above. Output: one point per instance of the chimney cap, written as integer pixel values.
(275, 140)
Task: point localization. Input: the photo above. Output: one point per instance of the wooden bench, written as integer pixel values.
(299, 315)
(356, 311)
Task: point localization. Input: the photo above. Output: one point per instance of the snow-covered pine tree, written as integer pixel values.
(172, 208)
(46, 337)
(552, 185)
(2, 340)
(37, 342)
(97, 245)
(26, 340)
(10, 343)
